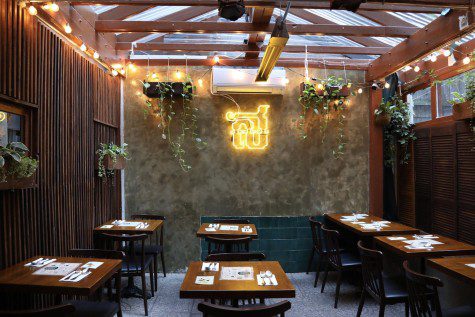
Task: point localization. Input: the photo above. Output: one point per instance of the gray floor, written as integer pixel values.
(308, 302)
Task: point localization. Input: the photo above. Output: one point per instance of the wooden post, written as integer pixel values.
(375, 157)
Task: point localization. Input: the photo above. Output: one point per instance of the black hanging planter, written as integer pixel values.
(154, 90)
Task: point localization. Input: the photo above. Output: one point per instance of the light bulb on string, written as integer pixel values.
(132, 67)
(46, 6)
(115, 72)
(32, 10)
(387, 85)
(122, 71)
(320, 86)
(178, 74)
(447, 53)
(433, 58)
(466, 60)
(54, 7)
(417, 68)
(360, 90)
(154, 75)
(216, 59)
(23, 4)
(349, 85)
(200, 82)
(83, 47)
(286, 81)
(68, 29)
(96, 55)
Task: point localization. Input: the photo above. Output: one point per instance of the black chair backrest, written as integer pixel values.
(333, 246)
(209, 310)
(151, 215)
(418, 286)
(95, 253)
(372, 269)
(236, 257)
(234, 244)
(129, 241)
(231, 220)
(54, 311)
(317, 236)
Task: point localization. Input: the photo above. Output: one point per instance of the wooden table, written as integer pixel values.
(153, 225)
(227, 233)
(456, 267)
(391, 229)
(449, 247)
(20, 278)
(236, 289)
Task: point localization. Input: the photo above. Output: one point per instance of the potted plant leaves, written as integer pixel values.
(383, 113)
(464, 105)
(17, 169)
(166, 89)
(111, 157)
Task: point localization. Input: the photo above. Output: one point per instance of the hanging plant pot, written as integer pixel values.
(155, 89)
(382, 119)
(343, 91)
(463, 111)
(14, 182)
(110, 165)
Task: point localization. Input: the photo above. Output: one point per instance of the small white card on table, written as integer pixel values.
(204, 280)
(229, 228)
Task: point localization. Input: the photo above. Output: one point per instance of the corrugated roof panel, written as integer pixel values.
(342, 17)
(417, 19)
(155, 13)
(98, 9)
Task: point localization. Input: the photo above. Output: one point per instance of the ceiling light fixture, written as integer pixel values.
(277, 42)
(32, 10)
(68, 29)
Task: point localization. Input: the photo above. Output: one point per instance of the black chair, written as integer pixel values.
(64, 310)
(318, 247)
(156, 248)
(338, 261)
(236, 257)
(227, 245)
(212, 310)
(134, 263)
(231, 221)
(385, 290)
(427, 304)
(101, 308)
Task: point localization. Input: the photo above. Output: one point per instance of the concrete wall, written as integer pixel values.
(290, 178)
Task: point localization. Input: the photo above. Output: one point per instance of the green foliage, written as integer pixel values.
(19, 164)
(468, 96)
(165, 109)
(113, 151)
(324, 103)
(385, 108)
(398, 134)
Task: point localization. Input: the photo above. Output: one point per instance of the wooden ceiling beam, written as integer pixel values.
(242, 27)
(184, 47)
(434, 36)
(422, 6)
(260, 16)
(283, 62)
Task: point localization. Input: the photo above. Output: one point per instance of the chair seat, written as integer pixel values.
(461, 311)
(94, 309)
(136, 263)
(154, 249)
(349, 260)
(394, 289)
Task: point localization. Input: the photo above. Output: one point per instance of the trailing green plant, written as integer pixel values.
(113, 151)
(468, 96)
(331, 99)
(165, 109)
(399, 133)
(19, 164)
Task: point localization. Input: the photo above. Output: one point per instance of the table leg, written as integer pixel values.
(131, 290)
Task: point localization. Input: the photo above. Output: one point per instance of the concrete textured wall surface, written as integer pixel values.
(292, 177)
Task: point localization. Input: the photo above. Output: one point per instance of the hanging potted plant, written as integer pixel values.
(383, 113)
(464, 105)
(17, 170)
(111, 157)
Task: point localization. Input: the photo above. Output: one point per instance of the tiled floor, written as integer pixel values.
(308, 302)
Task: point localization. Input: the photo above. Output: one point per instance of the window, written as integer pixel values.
(420, 105)
(14, 124)
(445, 93)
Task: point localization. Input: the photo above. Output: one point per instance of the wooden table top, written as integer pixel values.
(20, 278)
(449, 247)
(227, 233)
(236, 289)
(153, 225)
(456, 267)
(391, 229)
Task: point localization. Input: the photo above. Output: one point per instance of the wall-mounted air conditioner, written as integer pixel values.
(239, 80)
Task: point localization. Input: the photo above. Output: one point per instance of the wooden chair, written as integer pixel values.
(318, 247)
(424, 297)
(231, 221)
(212, 310)
(156, 248)
(64, 310)
(338, 261)
(134, 263)
(384, 290)
(236, 257)
(227, 245)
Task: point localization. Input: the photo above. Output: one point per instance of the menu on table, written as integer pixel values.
(237, 273)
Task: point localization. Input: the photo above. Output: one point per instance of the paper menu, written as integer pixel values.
(57, 269)
(237, 273)
(229, 228)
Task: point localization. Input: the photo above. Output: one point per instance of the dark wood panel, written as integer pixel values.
(68, 92)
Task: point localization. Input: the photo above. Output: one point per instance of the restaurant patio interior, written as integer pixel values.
(237, 158)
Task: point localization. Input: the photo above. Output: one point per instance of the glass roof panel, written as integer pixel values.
(417, 19)
(98, 9)
(155, 13)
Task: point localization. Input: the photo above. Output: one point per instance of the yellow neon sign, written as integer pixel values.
(3, 116)
(250, 130)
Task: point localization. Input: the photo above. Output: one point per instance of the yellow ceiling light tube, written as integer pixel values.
(277, 42)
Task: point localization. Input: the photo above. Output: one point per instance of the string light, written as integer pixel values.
(122, 71)
(154, 75)
(23, 4)
(96, 55)
(216, 59)
(417, 69)
(32, 10)
(115, 72)
(178, 74)
(320, 86)
(360, 90)
(447, 53)
(387, 85)
(433, 58)
(466, 60)
(46, 6)
(54, 7)
(67, 28)
(200, 82)
(349, 85)
(138, 93)
(83, 47)
(132, 67)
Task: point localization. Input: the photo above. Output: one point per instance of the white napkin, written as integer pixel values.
(204, 280)
(266, 281)
(40, 263)
(106, 226)
(214, 225)
(210, 229)
(426, 236)
(396, 238)
(422, 241)
(76, 277)
(418, 247)
(210, 266)
(246, 229)
(357, 222)
(472, 265)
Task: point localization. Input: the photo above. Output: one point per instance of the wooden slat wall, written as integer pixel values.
(444, 178)
(40, 70)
